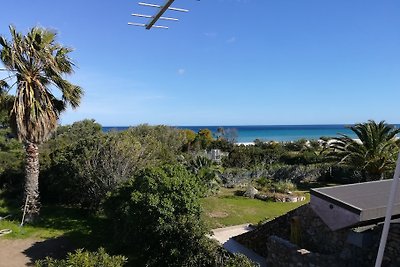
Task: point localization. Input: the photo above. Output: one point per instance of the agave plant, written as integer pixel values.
(36, 65)
(208, 173)
(373, 153)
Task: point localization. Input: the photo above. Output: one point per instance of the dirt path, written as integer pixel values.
(23, 252)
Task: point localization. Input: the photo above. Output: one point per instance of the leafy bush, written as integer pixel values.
(156, 218)
(239, 260)
(84, 259)
(299, 173)
(284, 186)
(264, 182)
(11, 163)
(207, 172)
(81, 164)
(297, 145)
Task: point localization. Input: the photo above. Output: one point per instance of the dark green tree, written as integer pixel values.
(156, 218)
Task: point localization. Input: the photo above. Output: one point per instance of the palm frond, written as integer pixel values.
(39, 64)
(374, 153)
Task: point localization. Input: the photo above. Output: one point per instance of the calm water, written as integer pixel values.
(272, 132)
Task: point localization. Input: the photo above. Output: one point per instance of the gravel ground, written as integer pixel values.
(23, 252)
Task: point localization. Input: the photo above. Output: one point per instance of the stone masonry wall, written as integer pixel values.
(282, 253)
(314, 232)
(319, 246)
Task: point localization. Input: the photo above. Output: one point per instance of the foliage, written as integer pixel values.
(11, 151)
(305, 157)
(229, 134)
(6, 102)
(208, 173)
(222, 144)
(64, 159)
(374, 154)
(269, 153)
(281, 172)
(11, 162)
(82, 164)
(244, 157)
(232, 177)
(259, 154)
(239, 260)
(284, 186)
(189, 136)
(299, 173)
(82, 258)
(297, 145)
(203, 138)
(264, 182)
(156, 214)
(37, 62)
(163, 144)
(37, 65)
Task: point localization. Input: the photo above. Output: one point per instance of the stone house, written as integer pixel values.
(308, 237)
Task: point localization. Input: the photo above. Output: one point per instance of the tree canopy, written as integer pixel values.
(373, 153)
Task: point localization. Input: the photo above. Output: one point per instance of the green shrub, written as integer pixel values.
(11, 163)
(264, 182)
(239, 260)
(156, 218)
(81, 164)
(284, 186)
(82, 258)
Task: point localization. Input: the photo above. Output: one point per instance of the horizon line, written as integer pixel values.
(242, 125)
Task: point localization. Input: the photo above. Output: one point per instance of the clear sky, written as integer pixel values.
(227, 62)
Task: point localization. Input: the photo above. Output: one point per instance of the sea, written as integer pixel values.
(281, 133)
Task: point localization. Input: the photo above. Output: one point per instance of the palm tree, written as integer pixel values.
(373, 153)
(36, 65)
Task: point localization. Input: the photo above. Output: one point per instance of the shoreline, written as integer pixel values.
(253, 143)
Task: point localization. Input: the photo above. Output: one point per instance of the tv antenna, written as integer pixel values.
(157, 16)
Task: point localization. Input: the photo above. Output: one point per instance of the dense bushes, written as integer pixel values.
(84, 259)
(208, 173)
(11, 163)
(289, 153)
(156, 219)
(81, 163)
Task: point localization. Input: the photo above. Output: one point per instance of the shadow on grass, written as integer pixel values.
(79, 226)
(9, 206)
(58, 231)
(83, 229)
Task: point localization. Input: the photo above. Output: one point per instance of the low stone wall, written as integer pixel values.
(282, 253)
(279, 197)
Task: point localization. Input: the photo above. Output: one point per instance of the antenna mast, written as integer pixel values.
(157, 16)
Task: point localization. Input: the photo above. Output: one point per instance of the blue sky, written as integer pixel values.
(227, 62)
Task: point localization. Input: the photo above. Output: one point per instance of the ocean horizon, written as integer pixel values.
(281, 133)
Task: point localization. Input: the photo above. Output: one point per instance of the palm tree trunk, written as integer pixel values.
(31, 190)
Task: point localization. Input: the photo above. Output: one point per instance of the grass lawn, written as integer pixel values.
(80, 227)
(227, 209)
